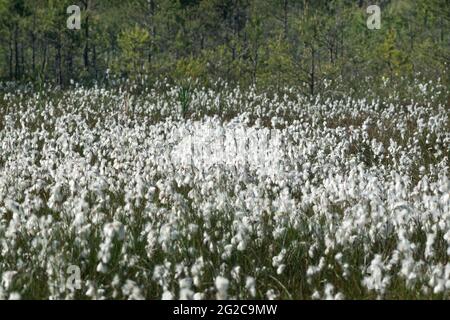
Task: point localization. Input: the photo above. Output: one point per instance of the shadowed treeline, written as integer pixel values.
(318, 46)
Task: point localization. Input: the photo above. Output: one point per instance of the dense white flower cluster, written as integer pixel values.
(271, 197)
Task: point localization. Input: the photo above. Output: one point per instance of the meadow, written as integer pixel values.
(200, 193)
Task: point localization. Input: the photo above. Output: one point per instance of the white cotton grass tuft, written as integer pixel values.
(285, 197)
(222, 285)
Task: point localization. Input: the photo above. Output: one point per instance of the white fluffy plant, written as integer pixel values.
(282, 197)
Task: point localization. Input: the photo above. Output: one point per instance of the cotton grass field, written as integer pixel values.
(222, 194)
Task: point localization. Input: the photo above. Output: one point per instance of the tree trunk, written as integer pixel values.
(312, 75)
(16, 53)
(94, 60)
(285, 8)
(22, 59)
(86, 46)
(59, 61)
(44, 59)
(11, 56)
(152, 11)
(33, 46)
(44, 62)
(69, 61)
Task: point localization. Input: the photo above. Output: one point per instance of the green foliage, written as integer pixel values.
(133, 44)
(396, 61)
(184, 97)
(278, 67)
(190, 68)
(247, 42)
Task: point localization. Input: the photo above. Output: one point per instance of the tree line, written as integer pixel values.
(311, 44)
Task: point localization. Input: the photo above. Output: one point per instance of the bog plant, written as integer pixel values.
(184, 97)
(274, 197)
